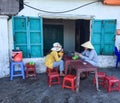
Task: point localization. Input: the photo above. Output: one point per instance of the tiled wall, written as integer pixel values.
(104, 62)
(107, 61)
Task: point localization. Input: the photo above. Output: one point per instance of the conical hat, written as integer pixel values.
(87, 45)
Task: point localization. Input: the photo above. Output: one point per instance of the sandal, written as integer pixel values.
(62, 74)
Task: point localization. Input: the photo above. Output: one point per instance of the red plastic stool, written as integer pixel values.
(69, 82)
(111, 83)
(53, 78)
(51, 70)
(101, 78)
(119, 85)
(30, 70)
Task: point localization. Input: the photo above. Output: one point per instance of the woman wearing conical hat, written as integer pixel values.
(89, 54)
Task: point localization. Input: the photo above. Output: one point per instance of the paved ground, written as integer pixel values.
(33, 90)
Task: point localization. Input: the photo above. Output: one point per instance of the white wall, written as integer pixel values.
(98, 10)
(4, 48)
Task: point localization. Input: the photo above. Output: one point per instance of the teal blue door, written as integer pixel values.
(103, 35)
(52, 33)
(28, 35)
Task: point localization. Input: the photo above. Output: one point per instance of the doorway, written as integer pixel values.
(82, 33)
(52, 33)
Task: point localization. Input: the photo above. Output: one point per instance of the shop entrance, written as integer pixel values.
(82, 33)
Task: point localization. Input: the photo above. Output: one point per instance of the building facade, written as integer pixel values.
(43, 22)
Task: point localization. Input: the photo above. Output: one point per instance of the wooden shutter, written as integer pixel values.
(103, 33)
(28, 35)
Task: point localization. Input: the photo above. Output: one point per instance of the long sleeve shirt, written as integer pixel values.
(90, 56)
(50, 58)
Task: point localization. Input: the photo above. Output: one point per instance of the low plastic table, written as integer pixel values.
(80, 67)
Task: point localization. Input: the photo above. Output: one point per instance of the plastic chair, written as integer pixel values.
(53, 78)
(69, 82)
(13, 70)
(49, 70)
(117, 53)
(101, 78)
(119, 85)
(30, 70)
(111, 83)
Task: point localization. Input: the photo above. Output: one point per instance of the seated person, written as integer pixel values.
(54, 58)
(89, 55)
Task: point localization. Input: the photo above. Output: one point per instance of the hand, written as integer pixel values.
(60, 54)
(76, 53)
(80, 55)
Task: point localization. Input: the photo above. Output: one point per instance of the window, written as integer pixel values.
(103, 34)
(28, 36)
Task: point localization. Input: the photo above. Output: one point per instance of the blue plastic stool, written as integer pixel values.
(13, 70)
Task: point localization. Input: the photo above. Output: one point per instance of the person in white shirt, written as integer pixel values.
(89, 54)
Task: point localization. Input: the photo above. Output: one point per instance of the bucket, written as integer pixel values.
(17, 55)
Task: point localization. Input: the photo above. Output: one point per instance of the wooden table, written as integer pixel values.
(80, 67)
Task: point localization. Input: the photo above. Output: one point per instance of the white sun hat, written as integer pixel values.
(56, 47)
(56, 44)
(88, 45)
